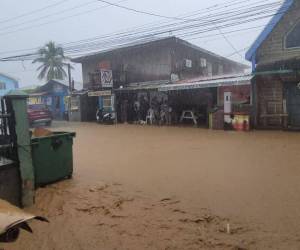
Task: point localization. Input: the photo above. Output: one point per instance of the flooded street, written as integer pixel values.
(142, 187)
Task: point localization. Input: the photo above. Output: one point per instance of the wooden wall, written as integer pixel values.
(273, 48)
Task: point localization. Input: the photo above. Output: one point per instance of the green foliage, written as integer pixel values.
(52, 60)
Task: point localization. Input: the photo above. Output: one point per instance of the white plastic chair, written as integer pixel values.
(150, 116)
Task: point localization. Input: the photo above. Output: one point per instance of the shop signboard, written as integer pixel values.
(106, 78)
(100, 93)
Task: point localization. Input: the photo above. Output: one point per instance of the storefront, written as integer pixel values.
(134, 102)
(197, 99)
(185, 102)
(106, 100)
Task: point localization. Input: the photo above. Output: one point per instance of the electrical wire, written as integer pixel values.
(227, 19)
(227, 4)
(55, 21)
(49, 15)
(34, 11)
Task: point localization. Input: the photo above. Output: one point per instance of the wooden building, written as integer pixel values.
(141, 68)
(161, 59)
(275, 57)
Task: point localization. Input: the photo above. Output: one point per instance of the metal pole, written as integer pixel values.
(70, 78)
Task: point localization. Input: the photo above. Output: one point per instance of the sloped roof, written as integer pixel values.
(8, 76)
(77, 85)
(268, 29)
(49, 85)
(151, 42)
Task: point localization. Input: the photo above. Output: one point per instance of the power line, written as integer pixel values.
(227, 19)
(205, 30)
(196, 26)
(229, 42)
(173, 29)
(64, 18)
(34, 11)
(139, 11)
(140, 29)
(232, 54)
(206, 10)
(49, 15)
(56, 21)
(228, 32)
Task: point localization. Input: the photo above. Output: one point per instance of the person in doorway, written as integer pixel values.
(169, 115)
(144, 108)
(124, 111)
(164, 112)
(137, 109)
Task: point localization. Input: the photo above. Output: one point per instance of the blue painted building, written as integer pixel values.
(53, 94)
(7, 83)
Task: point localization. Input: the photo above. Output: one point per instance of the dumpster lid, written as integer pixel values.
(4, 161)
(55, 134)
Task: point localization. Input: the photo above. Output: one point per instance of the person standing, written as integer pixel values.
(124, 111)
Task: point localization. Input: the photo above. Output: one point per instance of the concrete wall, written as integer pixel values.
(273, 48)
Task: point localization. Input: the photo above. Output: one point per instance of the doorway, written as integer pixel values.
(293, 104)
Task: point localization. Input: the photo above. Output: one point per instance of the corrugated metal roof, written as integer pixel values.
(144, 85)
(212, 83)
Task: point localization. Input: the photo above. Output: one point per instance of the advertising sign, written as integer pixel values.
(100, 93)
(106, 78)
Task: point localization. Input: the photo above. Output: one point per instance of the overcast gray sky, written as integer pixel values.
(96, 22)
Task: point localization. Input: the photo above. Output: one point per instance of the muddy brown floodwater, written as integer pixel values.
(140, 187)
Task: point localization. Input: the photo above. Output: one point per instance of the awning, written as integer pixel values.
(100, 93)
(153, 85)
(212, 83)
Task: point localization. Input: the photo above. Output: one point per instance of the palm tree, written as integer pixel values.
(52, 60)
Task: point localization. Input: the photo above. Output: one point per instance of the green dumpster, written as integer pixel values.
(52, 157)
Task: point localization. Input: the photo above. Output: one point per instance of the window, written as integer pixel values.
(188, 63)
(220, 69)
(209, 69)
(2, 85)
(203, 63)
(292, 39)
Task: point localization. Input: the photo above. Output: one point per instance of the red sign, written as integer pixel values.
(104, 65)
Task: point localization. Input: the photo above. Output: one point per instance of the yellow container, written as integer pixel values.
(241, 122)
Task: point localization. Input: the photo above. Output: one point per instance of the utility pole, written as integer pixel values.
(70, 78)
